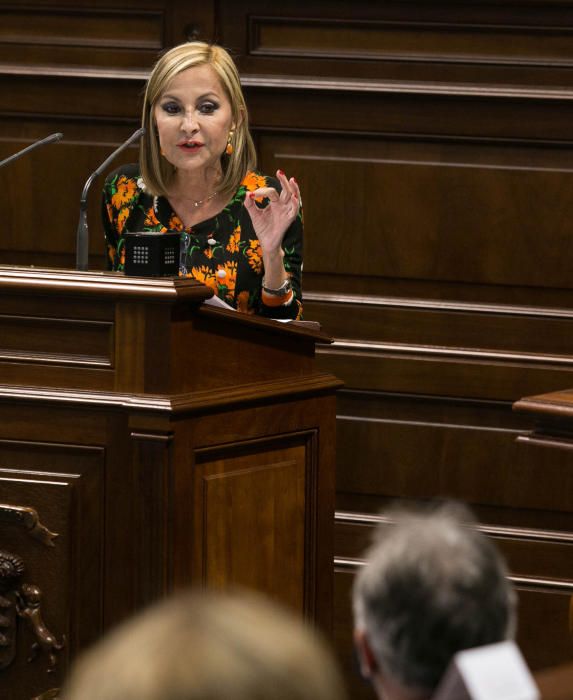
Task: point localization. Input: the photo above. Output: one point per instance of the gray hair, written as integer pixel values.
(432, 586)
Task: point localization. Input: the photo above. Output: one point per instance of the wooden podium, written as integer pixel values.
(150, 442)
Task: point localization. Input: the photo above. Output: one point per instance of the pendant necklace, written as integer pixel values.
(199, 202)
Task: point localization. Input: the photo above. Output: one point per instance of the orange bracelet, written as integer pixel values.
(273, 300)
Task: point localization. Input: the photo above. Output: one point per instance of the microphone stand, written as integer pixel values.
(49, 139)
(82, 238)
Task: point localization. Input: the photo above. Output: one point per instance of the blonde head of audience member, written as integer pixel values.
(206, 646)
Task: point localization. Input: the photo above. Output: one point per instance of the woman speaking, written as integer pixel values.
(241, 231)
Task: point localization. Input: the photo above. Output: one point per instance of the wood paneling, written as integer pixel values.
(243, 496)
(555, 683)
(444, 41)
(63, 483)
(87, 342)
(410, 41)
(124, 37)
(435, 211)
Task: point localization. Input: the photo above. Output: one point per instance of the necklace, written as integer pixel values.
(199, 202)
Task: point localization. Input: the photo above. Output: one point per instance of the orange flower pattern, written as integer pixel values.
(175, 223)
(222, 252)
(151, 222)
(125, 191)
(227, 279)
(255, 255)
(233, 244)
(122, 218)
(205, 275)
(252, 181)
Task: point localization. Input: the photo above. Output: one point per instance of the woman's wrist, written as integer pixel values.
(273, 258)
(284, 288)
(275, 274)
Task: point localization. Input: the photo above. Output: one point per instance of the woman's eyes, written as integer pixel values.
(171, 107)
(203, 107)
(208, 107)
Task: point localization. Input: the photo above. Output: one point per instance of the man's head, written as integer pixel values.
(432, 586)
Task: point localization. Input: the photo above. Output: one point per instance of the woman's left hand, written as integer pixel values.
(272, 222)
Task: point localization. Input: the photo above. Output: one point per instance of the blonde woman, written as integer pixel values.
(241, 231)
(201, 646)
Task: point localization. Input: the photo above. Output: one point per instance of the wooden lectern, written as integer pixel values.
(149, 442)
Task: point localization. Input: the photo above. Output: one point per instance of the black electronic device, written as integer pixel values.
(152, 254)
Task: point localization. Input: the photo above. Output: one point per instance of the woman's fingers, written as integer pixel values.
(294, 189)
(272, 221)
(286, 191)
(284, 204)
(268, 192)
(289, 190)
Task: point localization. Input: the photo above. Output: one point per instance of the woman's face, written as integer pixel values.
(194, 117)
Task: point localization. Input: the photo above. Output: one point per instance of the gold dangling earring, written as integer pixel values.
(229, 148)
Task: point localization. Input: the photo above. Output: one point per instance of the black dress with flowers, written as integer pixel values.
(222, 252)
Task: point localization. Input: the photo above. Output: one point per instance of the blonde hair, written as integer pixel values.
(157, 172)
(206, 646)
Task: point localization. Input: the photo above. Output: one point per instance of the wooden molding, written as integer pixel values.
(179, 403)
(107, 284)
(518, 533)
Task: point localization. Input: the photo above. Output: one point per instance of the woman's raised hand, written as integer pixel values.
(272, 222)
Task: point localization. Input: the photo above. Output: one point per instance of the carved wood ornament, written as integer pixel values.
(22, 601)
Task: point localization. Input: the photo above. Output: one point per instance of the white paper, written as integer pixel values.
(496, 672)
(216, 301)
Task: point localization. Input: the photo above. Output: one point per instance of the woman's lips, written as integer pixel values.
(190, 146)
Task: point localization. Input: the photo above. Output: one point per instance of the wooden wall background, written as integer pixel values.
(434, 147)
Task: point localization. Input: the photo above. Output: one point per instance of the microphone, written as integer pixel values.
(82, 239)
(52, 138)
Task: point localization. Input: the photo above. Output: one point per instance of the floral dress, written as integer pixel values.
(222, 252)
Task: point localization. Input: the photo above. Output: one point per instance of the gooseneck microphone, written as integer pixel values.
(82, 240)
(52, 138)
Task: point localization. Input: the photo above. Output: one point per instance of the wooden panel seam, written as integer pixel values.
(353, 565)
(438, 305)
(539, 441)
(429, 424)
(314, 84)
(390, 87)
(280, 441)
(92, 73)
(55, 359)
(152, 437)
(473, 354)
(528, 534)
